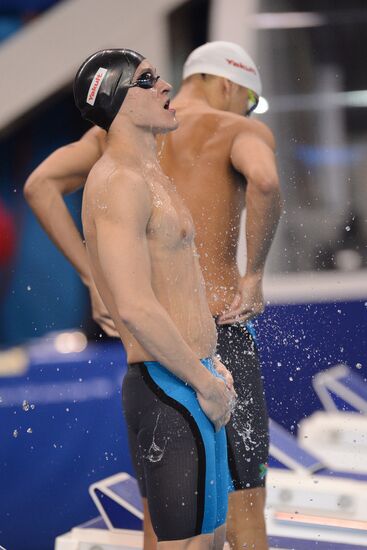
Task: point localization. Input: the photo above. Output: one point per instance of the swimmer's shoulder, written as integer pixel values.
(257, 128)
(229, 125)
(111, 182)
(242, 127)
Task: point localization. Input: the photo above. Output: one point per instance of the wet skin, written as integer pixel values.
(199, 158)
(176, 277)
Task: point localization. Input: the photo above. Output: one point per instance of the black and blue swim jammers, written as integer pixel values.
(180, 460)
(248, 428)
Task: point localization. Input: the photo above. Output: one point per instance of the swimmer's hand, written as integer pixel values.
(248, 302)
(100, 313)
(217, 402)
(224, 372)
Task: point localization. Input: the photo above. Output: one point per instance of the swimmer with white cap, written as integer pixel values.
(229, 61)
(221, 162)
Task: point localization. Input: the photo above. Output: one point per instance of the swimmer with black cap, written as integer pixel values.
(220, 162)
(140, 244)
(103, 81)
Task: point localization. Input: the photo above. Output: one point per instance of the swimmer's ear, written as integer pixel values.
(227, 87)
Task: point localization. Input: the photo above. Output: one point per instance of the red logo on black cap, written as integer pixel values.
(94, 87)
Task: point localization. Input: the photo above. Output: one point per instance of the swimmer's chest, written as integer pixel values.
(170, 225)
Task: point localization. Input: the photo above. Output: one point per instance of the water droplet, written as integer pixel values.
(29, 431)
(25, 406)
(358, 365)
(29, 288)
(347, 228)
(15, 433)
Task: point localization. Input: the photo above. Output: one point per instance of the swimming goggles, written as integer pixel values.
(146, 80)
(252, 102)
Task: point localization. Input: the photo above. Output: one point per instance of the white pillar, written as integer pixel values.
(228, 21)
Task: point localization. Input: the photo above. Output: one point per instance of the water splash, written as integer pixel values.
(243, 421)
(155, 452)
(245, 431)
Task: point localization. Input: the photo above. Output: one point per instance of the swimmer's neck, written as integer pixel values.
(136, 141)
(190, 92)
(198, 91)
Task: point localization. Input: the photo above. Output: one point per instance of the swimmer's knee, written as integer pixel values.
(246, 519)
(251, 499)
(219, 537)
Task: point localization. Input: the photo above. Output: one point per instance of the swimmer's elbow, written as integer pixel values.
(266, 183)
(134, 313)
(31, 188)
(34, 186)
(126, 316)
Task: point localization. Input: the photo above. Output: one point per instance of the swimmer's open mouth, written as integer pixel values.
(166, 107)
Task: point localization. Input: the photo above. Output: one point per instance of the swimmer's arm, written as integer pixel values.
(63, 172)
(124, 259)
(253, 156)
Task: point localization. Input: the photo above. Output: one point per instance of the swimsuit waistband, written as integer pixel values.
(207, 362)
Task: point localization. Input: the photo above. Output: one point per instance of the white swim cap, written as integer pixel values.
(224, 59)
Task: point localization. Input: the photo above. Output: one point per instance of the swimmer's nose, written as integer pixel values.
(165, 87)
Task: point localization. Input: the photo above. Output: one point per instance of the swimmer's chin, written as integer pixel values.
(168, 128)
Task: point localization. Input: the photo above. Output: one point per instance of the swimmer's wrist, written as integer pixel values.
(257, 274)
(204, 383)
(87, 279)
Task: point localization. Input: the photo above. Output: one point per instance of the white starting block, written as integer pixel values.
(95, 535)
(118, 501)
(338, 439)
(286, 450)
(339, 388)
(310, 502)
(308, 508)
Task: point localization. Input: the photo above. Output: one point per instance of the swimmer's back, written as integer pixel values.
(201, 144)
(197, 156)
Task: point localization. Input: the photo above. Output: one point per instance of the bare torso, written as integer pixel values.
(197, 158)
(176, 277)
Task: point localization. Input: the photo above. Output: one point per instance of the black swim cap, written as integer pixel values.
(102, 82)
